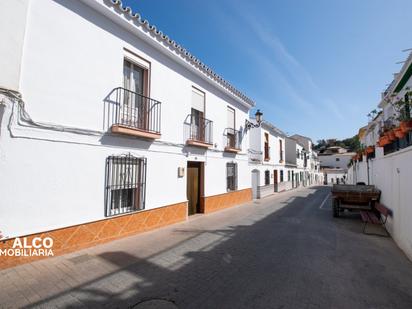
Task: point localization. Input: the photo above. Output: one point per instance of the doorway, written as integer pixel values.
(255, 184)
(194, 187)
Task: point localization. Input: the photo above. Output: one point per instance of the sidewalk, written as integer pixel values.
(102, 267)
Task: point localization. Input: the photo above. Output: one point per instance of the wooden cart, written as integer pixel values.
(358, 197)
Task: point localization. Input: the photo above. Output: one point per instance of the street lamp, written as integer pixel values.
(259, 119)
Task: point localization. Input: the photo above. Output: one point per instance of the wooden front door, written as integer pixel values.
(194, 186)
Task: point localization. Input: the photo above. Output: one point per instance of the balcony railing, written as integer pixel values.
(232, 143)
(134, 114)
(255, 156)
(198, 131)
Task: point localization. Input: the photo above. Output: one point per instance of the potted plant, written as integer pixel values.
(391, 135)
(403, 107)
(383, 140)
(370, 149)
(399, 133)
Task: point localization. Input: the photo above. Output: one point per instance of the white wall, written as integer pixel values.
(392, 174)
(257, 142)
(72, 59)
(13, 16)
(336, 160)
(331, 177)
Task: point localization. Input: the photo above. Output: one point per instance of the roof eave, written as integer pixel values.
(124, 17)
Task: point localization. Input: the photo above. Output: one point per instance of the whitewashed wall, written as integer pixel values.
(72, 58)
(13, 15)
(257, 142)
(392, 174)
(330, 160)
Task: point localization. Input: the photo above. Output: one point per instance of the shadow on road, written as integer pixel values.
(298, 256)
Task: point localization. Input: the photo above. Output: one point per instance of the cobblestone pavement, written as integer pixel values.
(285, 251)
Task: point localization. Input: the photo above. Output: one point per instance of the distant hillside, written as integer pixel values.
(352, 144)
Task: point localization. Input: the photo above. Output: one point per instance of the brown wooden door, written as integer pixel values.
(194, 186)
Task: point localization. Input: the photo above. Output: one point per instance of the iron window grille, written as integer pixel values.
(281, 176)
(231, 176)
(125, 184)
(267, 178)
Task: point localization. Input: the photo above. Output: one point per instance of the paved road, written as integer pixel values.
(281, 252)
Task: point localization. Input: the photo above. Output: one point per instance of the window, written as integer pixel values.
(267, 178)
(231, 133)
(197, 115)
(267, 157)
(288, 175)
(231, 176)
(281, 175)
(337, 159)
(135, 108)
(280, 150)
(297, 154)
(125, 184)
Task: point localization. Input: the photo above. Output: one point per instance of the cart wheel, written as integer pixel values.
(335, 202)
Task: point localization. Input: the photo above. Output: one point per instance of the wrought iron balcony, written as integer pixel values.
(255, 156)
(232, 140)
(134, 114)
(198, 131)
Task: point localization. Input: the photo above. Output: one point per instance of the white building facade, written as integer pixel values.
(387, 156)
(110, 128)
(311, 164)
(267, 159)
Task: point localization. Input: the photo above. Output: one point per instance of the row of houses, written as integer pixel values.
(334, 163)
(386, 155)
(109, 128)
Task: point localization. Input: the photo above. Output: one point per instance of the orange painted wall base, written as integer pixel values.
(86, 235)
(226, 200)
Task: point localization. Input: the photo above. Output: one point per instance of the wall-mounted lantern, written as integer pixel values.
(259, 119)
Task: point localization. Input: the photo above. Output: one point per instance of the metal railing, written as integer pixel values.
(232, 138)
(255, 156)
(134, 110)
(199, 129)
(125, 184)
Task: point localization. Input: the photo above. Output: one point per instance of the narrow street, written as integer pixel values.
(285, 251)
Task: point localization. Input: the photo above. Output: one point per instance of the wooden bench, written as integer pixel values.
(375, 217)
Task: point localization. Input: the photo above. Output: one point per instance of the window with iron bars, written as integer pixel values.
(231, 176)
(125, 184)
(267, 178)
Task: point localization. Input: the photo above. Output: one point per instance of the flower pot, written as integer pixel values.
(406, 126)
(399, 133)
(370, 149)
(384, 140)
(391, 135)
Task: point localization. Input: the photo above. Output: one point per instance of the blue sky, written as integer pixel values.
(314, 67)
